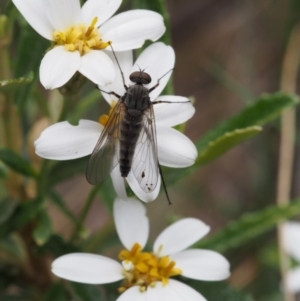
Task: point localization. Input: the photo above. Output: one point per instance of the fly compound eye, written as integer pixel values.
(140, 77)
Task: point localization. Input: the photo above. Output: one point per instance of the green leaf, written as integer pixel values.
(28, 59)
(7, 207)
(58, 246)
(249, 226)
(43, 230)
(12, 247)
(216, 291)
(14, 82)
(21, 216)
(85, 292)
(3, 170)
(17, 163)
(56, 292)
(222, 144)
(66, 169)
(84, 105)
(265, 109)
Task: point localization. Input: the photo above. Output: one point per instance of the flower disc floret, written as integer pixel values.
(144, 268)
(80, 38)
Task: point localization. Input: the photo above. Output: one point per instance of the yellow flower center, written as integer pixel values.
(104, 118)
(144, 269)
(80, 38)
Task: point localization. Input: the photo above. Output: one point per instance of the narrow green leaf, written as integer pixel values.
(84, 105)
(3, 170)
(66, 169)
(43, 229)
(56, 292)
(7, 207)
(21, 216)
(28, 59)
(17, 163)
(58, 246)
(85, 292)
(14, 82)
(249, 226)
(12, 248)
(261, 111)
(265, 109)
(216, 291)
(222, 144)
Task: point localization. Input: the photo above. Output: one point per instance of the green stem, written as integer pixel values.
(287, 147)
(84, 211)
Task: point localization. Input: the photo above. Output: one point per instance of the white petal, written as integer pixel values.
(125, 60)
(130, 29)
(98, 67)
(171, 114)
(183, 292)
(180, 236)
(174, 148)
(87, 268)
(58, 66)
(103, 9)
(35, 13)
(158, 59)
(118, 183)
(291, 239)
(131, 222)
(141, 194)
(133, 294)
(63, 141)
(293, 280)
(63, 13)
(202, 264)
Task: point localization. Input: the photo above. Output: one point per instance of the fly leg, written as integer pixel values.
(122, 74)
(164, 184)
(110, 93)
(165, 101)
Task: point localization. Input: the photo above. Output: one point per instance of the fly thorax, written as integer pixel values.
(137, 98)
(134, 113)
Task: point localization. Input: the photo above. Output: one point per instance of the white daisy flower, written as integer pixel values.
(63, 141)
(80, 33)
(291, 243)
(147, 275)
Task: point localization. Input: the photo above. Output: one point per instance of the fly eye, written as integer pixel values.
(140, 77)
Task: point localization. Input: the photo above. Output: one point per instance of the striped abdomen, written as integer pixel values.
(129, 133)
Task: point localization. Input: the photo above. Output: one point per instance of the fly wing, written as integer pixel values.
(145, 160)
(106, 152)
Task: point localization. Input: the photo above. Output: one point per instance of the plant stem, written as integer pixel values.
(84, 211)
(286, 157)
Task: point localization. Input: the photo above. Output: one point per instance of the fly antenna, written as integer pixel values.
(154, 87)
(122, 74)
(164, 184)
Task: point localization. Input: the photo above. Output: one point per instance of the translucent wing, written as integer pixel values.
(106, 152)
(145, 161)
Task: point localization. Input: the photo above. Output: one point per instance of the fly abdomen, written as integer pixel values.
(129, 133)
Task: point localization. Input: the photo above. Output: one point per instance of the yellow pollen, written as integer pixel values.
(144, 268)
(80, 38)
(104, 118)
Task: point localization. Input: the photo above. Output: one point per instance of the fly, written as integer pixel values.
(129, 137)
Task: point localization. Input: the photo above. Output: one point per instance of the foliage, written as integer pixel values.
(30, 186)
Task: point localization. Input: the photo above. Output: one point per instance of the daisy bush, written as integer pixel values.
(173, 93)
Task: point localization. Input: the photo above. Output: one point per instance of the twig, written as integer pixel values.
(286, 156)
